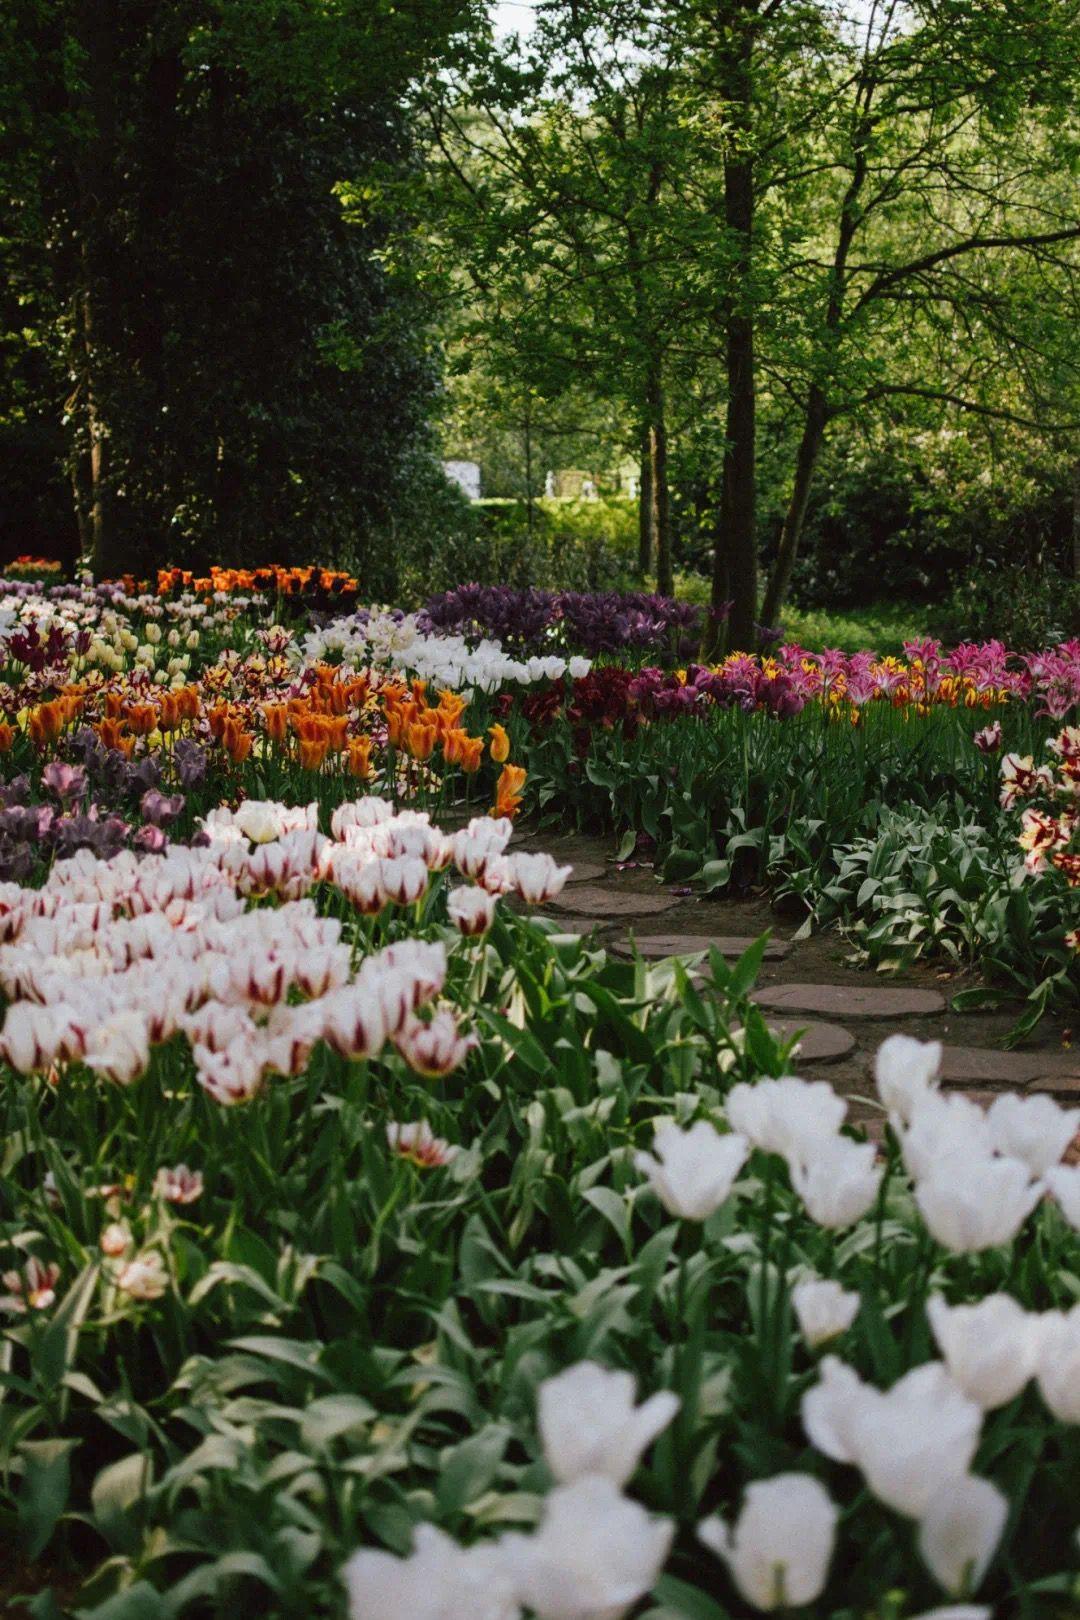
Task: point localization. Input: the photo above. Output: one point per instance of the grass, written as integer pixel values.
(883, 626)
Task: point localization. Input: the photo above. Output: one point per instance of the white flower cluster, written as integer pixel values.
(396, 644)
(111, 958)
(595, 1551)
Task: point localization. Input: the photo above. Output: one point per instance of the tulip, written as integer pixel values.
(785, 1116)
(361, 882)
(957, 1611)
(944, 1128)
(481, 841)
(1064, 1182)
(145, 1277)
(695, 1169)
(779, 1549)
(500, 744)
(905, 1070)
(233, 1075)
(179, 1186)
(823, 1310)
(32, 1289)
(367, 812)
(354, 1022)
(991, 1348)
(537, 878)
(590, 1425)
(420, 1145)
(438, 1581)
(435, 1048)
(508, 792)
(909, 1441)
(119, 1049)
(1059, 1364)
(976, 1205)
(960, 1531)
(471, 910)
(404, 879)
(114, 1240)
(838, 1182)
(594, 1556)
(1033, 1129)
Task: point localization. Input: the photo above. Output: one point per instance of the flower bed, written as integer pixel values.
(370, 1247)
(345, 1209)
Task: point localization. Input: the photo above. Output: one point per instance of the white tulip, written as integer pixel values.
(595, 1554)
(944, 1128)
(537, 878)
(908, 1441)
(978, 1204)
(906, 1070)
(957, 1611)
(695, 1169)
(1064, 1182)
(786, 1116)
(1033, 1129)
(779, 1550)
(1059, 1364)
(823, 1310)
(960, 1532)
(590, 1425)
(119, 1049)
(471, 910)
(838, 1181)
(438, 1581)
(991, 1349)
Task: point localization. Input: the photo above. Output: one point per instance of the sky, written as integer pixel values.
(512, 16)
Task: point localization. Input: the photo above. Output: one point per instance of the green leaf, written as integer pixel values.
(470, 1468)
(688, 1602)
(43, 1494)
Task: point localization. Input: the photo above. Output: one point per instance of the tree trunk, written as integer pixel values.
(659, 504)
(805, 462)
(735, 560)
(1076, 519)
(645, 515)
(97, 27)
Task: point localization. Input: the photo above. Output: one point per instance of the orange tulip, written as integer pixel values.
(236, 741)
(188, 703)
(276, 716)
(472, 754)
(359, 763)
(508, 791)
(141, 719)
(169, 713)
(500, 743)
(312, 752)
(452, 742)
(112, 734)
(47, 721)
(7, 736)
(420, 739)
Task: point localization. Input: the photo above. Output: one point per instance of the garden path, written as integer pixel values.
(811, 984)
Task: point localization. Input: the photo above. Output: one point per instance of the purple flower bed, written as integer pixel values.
(589, 622)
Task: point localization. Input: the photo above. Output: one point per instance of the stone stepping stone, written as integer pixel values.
(985, 1066)
(584, 871)
(850, 1001)
(572, 925)
(653, 947)
(1062, 1085)
(613, 903)
(818, 1042)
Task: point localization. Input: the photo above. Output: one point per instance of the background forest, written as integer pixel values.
(796, 284)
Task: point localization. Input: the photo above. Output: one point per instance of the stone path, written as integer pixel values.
(842, 1013)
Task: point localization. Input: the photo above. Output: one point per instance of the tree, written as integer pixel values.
(248, 370)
